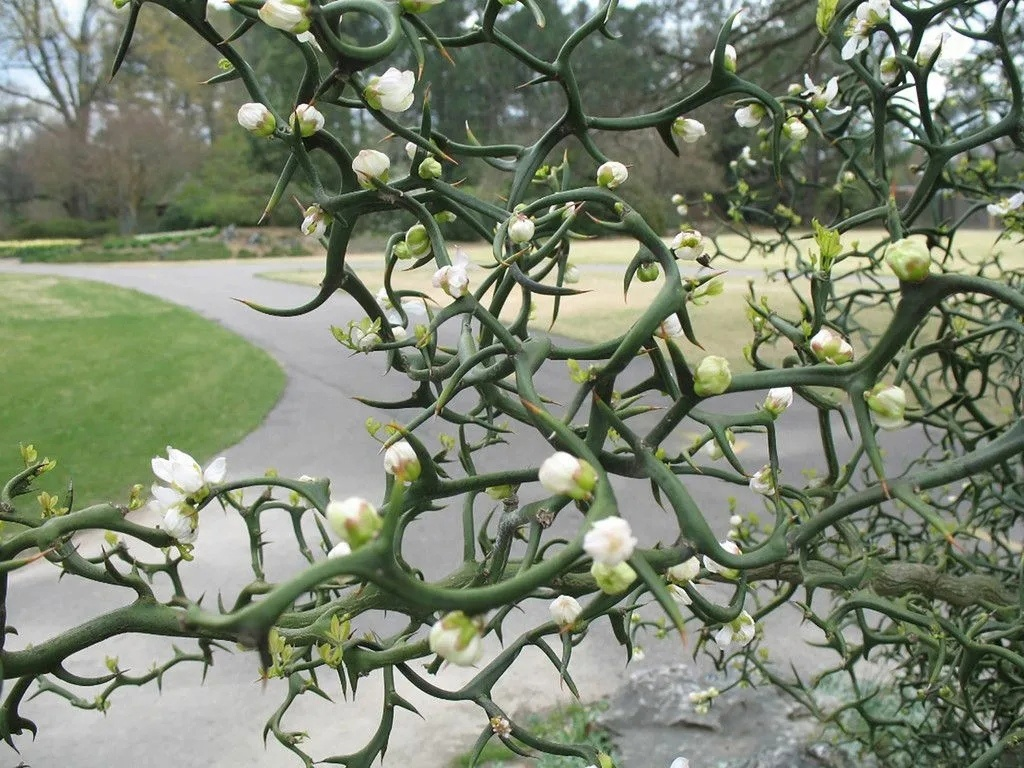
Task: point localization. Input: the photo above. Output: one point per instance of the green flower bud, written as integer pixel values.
(909, 259)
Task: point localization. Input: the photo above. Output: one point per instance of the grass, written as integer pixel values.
(573, 723)
(104, 378)
(720, 325)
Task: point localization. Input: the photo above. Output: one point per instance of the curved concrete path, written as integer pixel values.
(316, 429)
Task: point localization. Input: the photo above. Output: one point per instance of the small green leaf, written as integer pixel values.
(825, 13)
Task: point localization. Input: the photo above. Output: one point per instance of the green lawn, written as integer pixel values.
(103, 378)
(721, 325)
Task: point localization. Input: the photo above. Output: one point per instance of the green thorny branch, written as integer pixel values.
(916, 541)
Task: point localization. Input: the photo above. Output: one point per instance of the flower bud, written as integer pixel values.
(612, 174)
(763, 481)
(688, 244)
(669, 328)
(341, 549)
(829, 347)
(889, 70)
(430, 168)
(392, 91)
(684, 572)
(401, 461)
(456, 639)
(714, 450)
(888, 404)
(751, 115)
(287, 15)
(418, 6)
(778, 400)
(613, 580)
(572, 274)
(520, 228)
(256, 119)
(355, 520)
(307, 119)
(610, 541)
(371, 167)
(688, 129)
(795, 129)
(678, 199)
(909, 259)
(565, 474)
(648, 273)
(679, 595)
(728, 58)
(501, 492)
(417, 241)
(565, 610)
(712, 377)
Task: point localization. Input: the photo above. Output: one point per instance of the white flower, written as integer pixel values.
(829, 347)
(410, 149)
(680, 762)
(679, 595)
(453, 279)
(778, 400)
(315, 223)
(739, 631)
(180, 524)
(669, 328)
(501, 727)
(355, 520)
(746, 159)
(713, 567)
(183, 473)
(688, 244)
(735, 521)
(392, 91)
(751, 115)
(520, 228)
(682, 210)
(456, 639)
(565, 474)
(684, 572)
(371, 166)
(401, 461)
(612, 174)
(728, 58)
(288, 16)
(714, 450)
(1006, 205)
(763, 481)
(308, 119)
(887, 403)
(688, 129)
(712, 376)
(164, 498)
(610, 541)
(821, 97)
(861, 25)
(256, 119)
(572, 274)
(795, 129)
(565, 610)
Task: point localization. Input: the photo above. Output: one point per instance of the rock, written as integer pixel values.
(654, 721)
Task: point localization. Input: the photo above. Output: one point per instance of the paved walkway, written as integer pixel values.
(317, 429)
